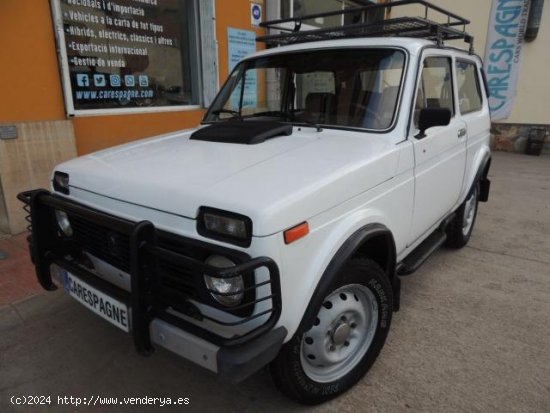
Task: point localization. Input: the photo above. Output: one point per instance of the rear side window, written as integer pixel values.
(469, 90)
(435, 89)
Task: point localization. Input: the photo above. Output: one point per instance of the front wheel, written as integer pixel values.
(348, 333)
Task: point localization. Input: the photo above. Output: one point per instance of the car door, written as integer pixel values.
(440, 156)
(473, 111)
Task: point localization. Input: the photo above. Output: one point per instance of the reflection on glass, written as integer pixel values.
(341, 88)
(130, 54)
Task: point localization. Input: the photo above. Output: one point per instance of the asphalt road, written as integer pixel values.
(473, 334)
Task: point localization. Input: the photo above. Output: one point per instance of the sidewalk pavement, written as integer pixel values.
(17, 277)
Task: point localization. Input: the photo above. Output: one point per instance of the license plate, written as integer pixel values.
(100, 303)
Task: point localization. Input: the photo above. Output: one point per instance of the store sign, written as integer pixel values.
(241, 43)
(507, 25)
(124, 53)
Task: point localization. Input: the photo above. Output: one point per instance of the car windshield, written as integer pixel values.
(355, 88)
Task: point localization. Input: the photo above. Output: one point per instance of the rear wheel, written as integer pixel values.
(348, 333)
(461, 227)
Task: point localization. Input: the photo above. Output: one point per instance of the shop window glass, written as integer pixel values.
(129, 54)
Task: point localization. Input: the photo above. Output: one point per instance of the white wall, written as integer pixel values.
(532, 102)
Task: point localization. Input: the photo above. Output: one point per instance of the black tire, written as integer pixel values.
(287, 369)
(457, 236)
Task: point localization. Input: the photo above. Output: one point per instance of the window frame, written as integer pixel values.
(398, 105)
(478, 85)
(419, 82)
(65, 76)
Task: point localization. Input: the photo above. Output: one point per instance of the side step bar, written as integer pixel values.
(420, 254)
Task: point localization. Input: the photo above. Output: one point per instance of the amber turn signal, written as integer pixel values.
(297, 232)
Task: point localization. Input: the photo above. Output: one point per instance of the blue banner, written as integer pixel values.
(507, 25)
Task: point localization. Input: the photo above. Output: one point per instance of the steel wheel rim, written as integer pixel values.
(469, 213)
(342, 333)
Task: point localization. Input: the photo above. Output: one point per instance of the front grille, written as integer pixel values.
(107, 245)
(174, 284)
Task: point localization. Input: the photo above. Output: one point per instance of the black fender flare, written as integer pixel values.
(481, 178)
(344, 253)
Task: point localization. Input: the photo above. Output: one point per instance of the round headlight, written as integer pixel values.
(230, 290)
(64, 223)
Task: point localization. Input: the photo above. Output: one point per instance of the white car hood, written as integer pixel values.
(278, 183)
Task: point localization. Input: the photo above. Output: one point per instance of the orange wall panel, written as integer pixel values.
(99, 132)
(29, 74)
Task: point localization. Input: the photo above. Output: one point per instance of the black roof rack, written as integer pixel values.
(418, 27)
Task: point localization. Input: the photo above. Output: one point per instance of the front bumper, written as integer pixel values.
(232, 364)
(153, 319)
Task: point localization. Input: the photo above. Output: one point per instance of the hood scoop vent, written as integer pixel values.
(242, 132)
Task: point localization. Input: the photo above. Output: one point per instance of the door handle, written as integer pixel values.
(462, 132)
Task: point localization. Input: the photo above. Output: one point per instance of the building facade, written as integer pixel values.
(82, 75)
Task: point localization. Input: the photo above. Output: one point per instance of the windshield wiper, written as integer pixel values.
(286, 117)
(283, 115)
(236, 115)
(309, 123)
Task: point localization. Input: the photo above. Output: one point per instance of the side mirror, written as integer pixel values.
(431, 117)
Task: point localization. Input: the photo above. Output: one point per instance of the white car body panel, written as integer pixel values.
(308, 172)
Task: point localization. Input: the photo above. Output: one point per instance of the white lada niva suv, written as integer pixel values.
(274, 234)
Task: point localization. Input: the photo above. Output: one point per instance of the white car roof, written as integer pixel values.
(413, 45)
